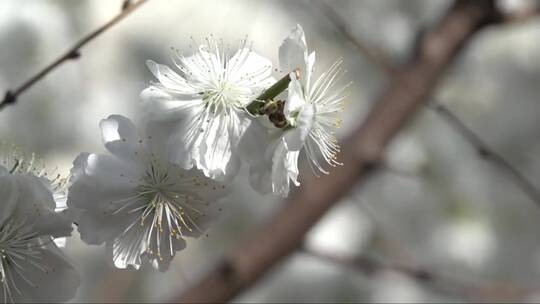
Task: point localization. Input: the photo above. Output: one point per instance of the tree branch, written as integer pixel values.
(483, 149)
(72, 53)
(473, 291)
(370, 265)
(488, 154)
(373, 55)
(521, 16)
(361, 153)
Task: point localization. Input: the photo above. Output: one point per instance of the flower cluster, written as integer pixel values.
(222, 108)
(158, 185)
(32, 267)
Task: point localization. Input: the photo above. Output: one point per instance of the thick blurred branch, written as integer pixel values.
(483, 149)
(361, 153)
(72, 53)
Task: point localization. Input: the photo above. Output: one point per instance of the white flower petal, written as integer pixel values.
(203, 65)
(293, 50)
(99, 179)
(120, 136)
(33, 269)
(161, 105)
(179, 150)
(35, 203)
(121, 259)
(32, 194)
(10, 196)
(169, 79)
(306, 76)
(250, 70)
(295, 138)
(295, 100)
(60, 242)
(254, 143)
(96, 228)
(218, 144)
(168, 252)
(284, 168)
(158, 136)
(260, 177)
(57, 282)
(256, 149)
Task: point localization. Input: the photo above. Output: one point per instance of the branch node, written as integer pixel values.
(483, 152)
(226, 269)
(370, 267)
(126, 4)
(73, 55)
(9, 98)
(423, 275)
(370, 165)
(370, 157)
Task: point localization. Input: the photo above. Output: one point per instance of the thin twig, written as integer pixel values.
(522, 15)
(370, 265)
(441, 281)
(72, 53)
(375, 56)
(437, 281)
(484, 150)
(409, 174)
(362, 152)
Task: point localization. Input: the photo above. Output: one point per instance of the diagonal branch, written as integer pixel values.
(488, 154)
(72, 53)
(374, 55)
(482, 148)
(362, 152)
(369, 265)
(444, 283)
(522, 15)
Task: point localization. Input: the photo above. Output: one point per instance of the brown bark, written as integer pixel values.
(362, 152)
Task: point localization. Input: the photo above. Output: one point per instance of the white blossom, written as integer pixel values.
(32, 268)
(206, 98)
(137, 202)
(20, 162)
(312, 109)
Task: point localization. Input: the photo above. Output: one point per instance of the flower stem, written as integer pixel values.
(270, 93)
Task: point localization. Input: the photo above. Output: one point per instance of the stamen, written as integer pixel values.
(321, 140)
(161, 212)
(20, 248)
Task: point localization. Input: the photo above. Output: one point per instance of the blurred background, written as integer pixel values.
(440, 207)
